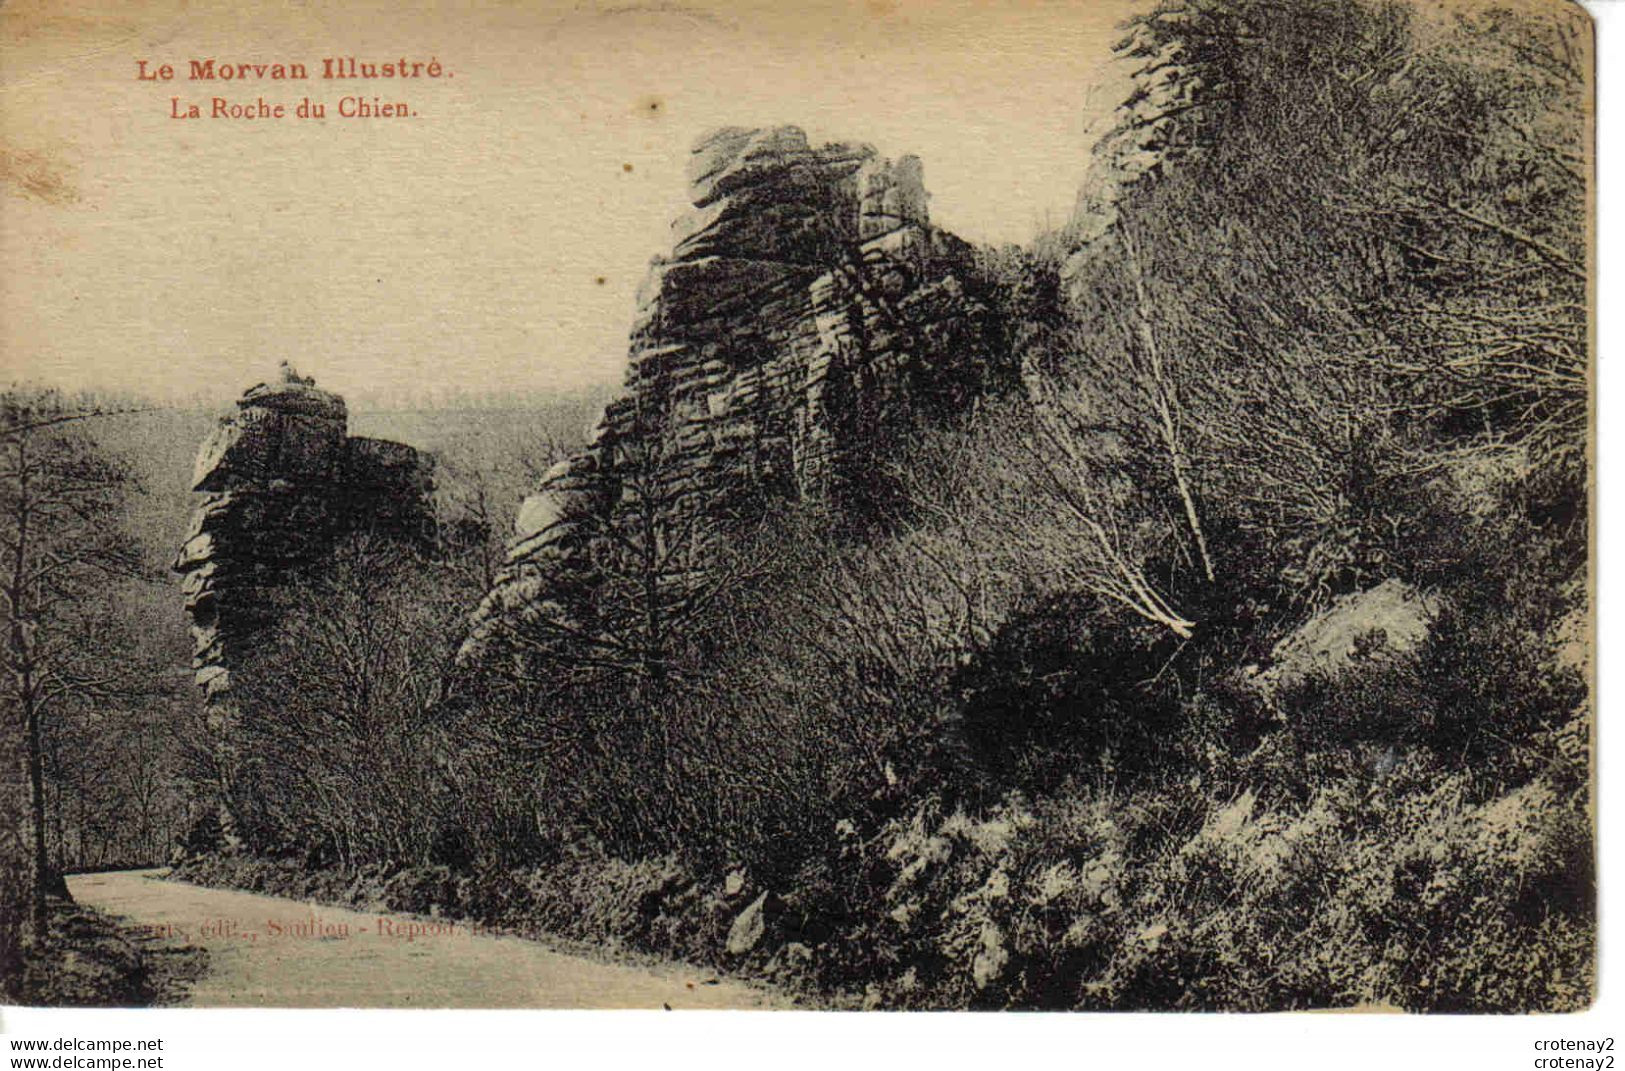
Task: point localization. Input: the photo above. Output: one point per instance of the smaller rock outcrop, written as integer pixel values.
(750, 926)
(283, 482)
(1384, 623)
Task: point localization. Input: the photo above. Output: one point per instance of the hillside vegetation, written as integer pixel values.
(1236, 657)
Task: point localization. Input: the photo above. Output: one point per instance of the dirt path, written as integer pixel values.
(267, 951)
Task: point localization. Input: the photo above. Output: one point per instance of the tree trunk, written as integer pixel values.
(27, 695)
(1164, 402)
(40, 865)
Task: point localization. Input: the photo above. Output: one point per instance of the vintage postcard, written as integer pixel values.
(888, 505)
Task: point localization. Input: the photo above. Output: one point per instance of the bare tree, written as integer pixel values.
(476, 503)
(655, 561)
(337, 710)
(1151, 375)
(60, 502)
(1070, 456)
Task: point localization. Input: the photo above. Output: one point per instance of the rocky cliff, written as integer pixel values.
(807, 313)
(283, 482)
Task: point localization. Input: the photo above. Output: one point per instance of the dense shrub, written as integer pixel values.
(1065, 687)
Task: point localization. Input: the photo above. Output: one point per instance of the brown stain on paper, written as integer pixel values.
(38, 177)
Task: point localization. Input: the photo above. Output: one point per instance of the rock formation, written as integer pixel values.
(1386, 623)
(808, 311)
(282, 483)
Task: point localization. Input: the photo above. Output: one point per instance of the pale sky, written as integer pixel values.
(461, 250)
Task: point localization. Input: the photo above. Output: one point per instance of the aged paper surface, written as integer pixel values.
(510, 186)
(861, 505)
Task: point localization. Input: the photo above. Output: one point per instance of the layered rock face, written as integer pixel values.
(283, 483)
(807, 313)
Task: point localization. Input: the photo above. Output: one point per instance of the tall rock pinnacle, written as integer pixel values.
(807, 312)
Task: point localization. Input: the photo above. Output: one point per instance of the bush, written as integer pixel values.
(1064, 688)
